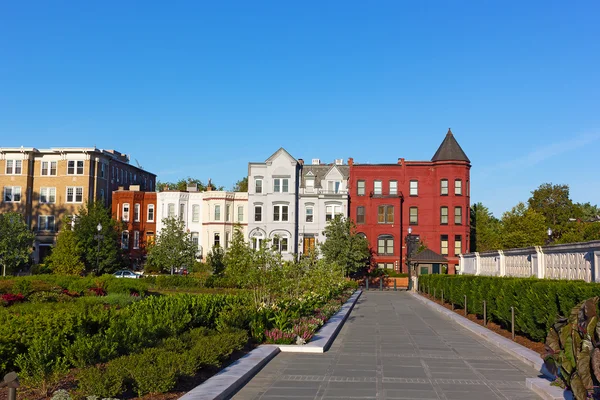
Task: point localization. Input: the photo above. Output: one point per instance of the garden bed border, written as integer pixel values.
(540, 386)
(235, 376)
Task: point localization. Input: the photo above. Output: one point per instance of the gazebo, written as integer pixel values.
(429, 262)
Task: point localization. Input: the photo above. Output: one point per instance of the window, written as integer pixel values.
(181, 211)
(360, 188)
(457, 245)
(125, 240)
(393, 188)
(280, 244)
(217, 240)
(331, 211)
(385, 214)
(280, 213)
(385, 245)
(310, 185)
(171, 210)
(444, 187)
(257, 213)
(467, 188)
(333, 186)
(413, 216)
(458, 215)
(227, 212)
(195, 238)
(47, 195)
(150, 212)
(12, 194)
(360, 215)
(125, 212)
(102, 195)
(444, 215)
(226, 240)
(136, 239)
(195, 213)
(377, 187)
(444, 245)
(14, 167)
(414, 188)
(149, 237)
(46, 223)
(74, 194)
(102, 170)
(240, 213)
(280, 185)
(458, 187)
(75, 167)
(309, 214)
(136, 213)
(49, 168)
(217, 212)
(257, 241)
(258, 185)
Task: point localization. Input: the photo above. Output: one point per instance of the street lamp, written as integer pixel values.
(98, 237)
(408, 251)
(549, 240)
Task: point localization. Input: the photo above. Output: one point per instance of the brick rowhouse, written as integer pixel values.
(432, 197)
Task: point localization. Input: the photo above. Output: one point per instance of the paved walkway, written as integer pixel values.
(394, 347)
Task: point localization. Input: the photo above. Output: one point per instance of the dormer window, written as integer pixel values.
(310, 184)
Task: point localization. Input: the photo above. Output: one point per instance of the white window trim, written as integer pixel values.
(312, 208)
(136, 212)
(280, 207)
(125, 214)
(74, 194)
(195, 213)
(45, 217)
(395, 191)
(12, 193)
(261, 212)
(47, 189)
(75, 167)
(136, 240)
(49, 169)
(256, 180)
(150, 207)
(14, 166)
(240, 218)
(375, 191)
(125, 243)
(217, 207)
(410, 187)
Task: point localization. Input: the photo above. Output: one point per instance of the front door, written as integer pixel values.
(309, 244)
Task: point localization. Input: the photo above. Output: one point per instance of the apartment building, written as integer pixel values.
(44, 185)
(431, 197)
(273, 202)
(137, 211)
(211, 217)
(323, 194)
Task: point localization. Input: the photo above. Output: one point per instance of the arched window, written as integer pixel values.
(385, 245)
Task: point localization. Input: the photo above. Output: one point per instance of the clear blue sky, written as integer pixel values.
(200, 88)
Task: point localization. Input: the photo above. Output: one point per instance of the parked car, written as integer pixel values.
(124, 273)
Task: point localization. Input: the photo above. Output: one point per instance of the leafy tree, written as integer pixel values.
(343, 246)
(238, 257)
(173, 247)
(241, 185)
(523, 227)
(16, 241)
(485, 229)
(110, 257)
(553, 202)
(214, 259)
(587, 212)
(65, 258)
(182, 184)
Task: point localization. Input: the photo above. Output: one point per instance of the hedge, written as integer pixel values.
(537, 302)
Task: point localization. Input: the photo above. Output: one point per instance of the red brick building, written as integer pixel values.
(137, 210)
(432, 197)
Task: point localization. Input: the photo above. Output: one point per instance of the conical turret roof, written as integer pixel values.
(450, 150)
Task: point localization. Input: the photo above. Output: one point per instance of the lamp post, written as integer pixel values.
(98, 237)
(549, 240)
(408, 251)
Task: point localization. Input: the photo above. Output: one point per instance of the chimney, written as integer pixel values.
(316, 161)
(208, 186)
(192, 187)
(134, 188)
(121, 188)
(351, 161)
(400, 161)
(300, 161)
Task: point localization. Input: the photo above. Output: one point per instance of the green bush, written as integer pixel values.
(102, 382)
(537, 302)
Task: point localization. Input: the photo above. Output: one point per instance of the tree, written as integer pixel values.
(553, 202)
(182, 184)
(173, 247)
(65, 258)
(110, 257)
(522, 227)
(485, 229)
(214, 260)
(241, 185)
(238, 257)
(587, 212)
(16, 241)
(344, 246)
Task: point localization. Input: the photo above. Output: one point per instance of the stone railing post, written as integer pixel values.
(461, 264)
(596, 266)
(538, 262)
(477, 264)
(501, 263)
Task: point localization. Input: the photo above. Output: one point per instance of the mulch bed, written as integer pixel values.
(538, 347)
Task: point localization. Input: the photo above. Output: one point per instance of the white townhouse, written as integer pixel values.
(210, 216)
(323, 193)
(273, 202)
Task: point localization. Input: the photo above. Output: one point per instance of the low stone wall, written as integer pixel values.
(574, 261)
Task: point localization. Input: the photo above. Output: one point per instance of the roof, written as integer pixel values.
(429, 256)
(321, 171)
(281, 150)
(450, 150)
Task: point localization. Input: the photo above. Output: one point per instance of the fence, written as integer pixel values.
(573, 261)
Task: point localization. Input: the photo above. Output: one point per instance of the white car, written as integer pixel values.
(126, 274)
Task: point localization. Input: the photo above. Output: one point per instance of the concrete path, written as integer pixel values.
(394, 347)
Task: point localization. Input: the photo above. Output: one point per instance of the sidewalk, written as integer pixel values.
(394, 347)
